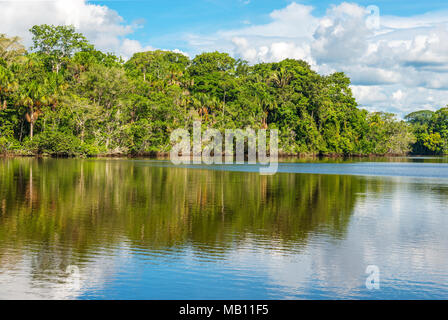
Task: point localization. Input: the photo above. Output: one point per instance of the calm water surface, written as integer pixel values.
(142, 229)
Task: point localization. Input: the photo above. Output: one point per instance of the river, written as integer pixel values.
(146, 229)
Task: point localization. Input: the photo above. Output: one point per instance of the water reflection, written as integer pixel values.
(138, 230)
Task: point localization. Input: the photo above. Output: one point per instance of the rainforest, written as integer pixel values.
(63, 97)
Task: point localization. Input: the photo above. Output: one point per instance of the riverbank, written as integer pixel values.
(166, 155)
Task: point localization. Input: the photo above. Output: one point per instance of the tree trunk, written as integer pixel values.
(31, 128)
(21, 130)
(223, 111)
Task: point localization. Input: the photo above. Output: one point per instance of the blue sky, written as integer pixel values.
(165, 21)
(397, 60)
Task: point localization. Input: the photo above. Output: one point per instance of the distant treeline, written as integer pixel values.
(64, 97)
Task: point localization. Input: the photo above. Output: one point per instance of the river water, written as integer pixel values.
(145, 229)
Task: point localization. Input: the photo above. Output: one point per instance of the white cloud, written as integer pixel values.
(291, 22)
(398, 95)
(129, 47)
(275, 51)
(104, 27)
(398, 98)
(341, 35)
(285, 36)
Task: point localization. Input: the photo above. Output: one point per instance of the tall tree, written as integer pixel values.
(58, 43)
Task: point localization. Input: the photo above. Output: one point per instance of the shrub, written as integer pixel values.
(56, 143)
(4, 145)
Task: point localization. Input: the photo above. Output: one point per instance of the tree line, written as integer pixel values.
(64, 97)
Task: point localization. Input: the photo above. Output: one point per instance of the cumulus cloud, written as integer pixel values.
(104, 27)
(397, 64)
(274, 51)
(341, 35)
(286, 36)
(294, 21)
(129, 47)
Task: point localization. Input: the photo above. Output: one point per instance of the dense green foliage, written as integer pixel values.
(66, 98)
(431, 131)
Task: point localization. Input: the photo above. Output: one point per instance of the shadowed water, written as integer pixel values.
(141, 229)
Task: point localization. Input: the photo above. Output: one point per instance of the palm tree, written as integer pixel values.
(281, 78)
(203, 102)
(33, 97)
(173, 76)
(266, 103)
(55, 88)
(7, 85)
(10, 48)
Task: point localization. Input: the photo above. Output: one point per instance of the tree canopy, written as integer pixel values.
(64, 97)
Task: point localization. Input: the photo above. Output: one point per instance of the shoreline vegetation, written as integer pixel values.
(64, 98)
(166, 156)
